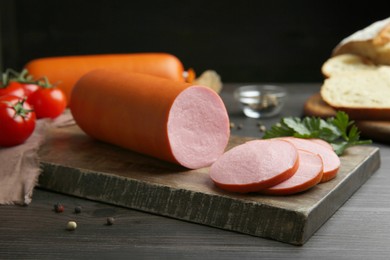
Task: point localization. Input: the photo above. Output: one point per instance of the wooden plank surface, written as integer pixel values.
(376, 130)
(78, 165)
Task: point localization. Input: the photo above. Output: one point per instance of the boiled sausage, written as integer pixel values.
(329, 157)
(308, 175)
(166, 119)
(255, 165)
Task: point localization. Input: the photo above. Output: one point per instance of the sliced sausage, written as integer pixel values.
(323, 142)
(309, 174)
(255, 165)
(163, 118)
(329, 157)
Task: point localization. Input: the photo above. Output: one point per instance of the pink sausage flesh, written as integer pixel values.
(329, 158)
(309, 174)
(198, 127)
(322, 142)
(255, 165)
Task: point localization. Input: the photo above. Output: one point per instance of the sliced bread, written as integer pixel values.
(362, 94)
(346, 63)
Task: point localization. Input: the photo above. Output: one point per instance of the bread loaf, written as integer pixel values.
(357, 76)
(347, 63)
(362, 94)
(372, 42)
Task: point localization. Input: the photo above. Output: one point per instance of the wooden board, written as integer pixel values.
(376, 130)
(75, 164)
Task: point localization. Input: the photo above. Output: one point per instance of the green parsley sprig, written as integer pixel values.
(339, 131)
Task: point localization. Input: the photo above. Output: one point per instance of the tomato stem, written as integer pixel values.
(23, 77)
(44, 83)
(19, 108)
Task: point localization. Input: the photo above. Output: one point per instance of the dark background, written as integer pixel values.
(244, 41)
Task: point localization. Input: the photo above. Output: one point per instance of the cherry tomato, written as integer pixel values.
(17, 120)
(48, 102)
(13, 88)
(29, 88)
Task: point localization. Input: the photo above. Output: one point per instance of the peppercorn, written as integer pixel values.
(59, 208)
(262, 128)
(71, 225)
(110, 221)
(77, 209)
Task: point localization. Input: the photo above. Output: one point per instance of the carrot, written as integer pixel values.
(66, 70)
(170, 120)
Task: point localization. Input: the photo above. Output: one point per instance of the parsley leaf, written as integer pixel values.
(339, 131)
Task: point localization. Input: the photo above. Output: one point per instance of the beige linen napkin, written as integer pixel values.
(19, 165)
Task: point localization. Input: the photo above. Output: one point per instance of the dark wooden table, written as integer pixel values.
(360, 229)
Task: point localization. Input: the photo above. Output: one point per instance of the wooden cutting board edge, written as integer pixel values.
(375, 130)
(124, 178)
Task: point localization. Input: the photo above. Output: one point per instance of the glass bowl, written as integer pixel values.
(261, 101)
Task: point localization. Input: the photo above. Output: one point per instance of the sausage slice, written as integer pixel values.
(323, 142)
(329, 157)
(309, 174)
(255, 165)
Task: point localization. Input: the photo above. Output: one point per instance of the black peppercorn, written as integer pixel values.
(110, 221)
(77, 209)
